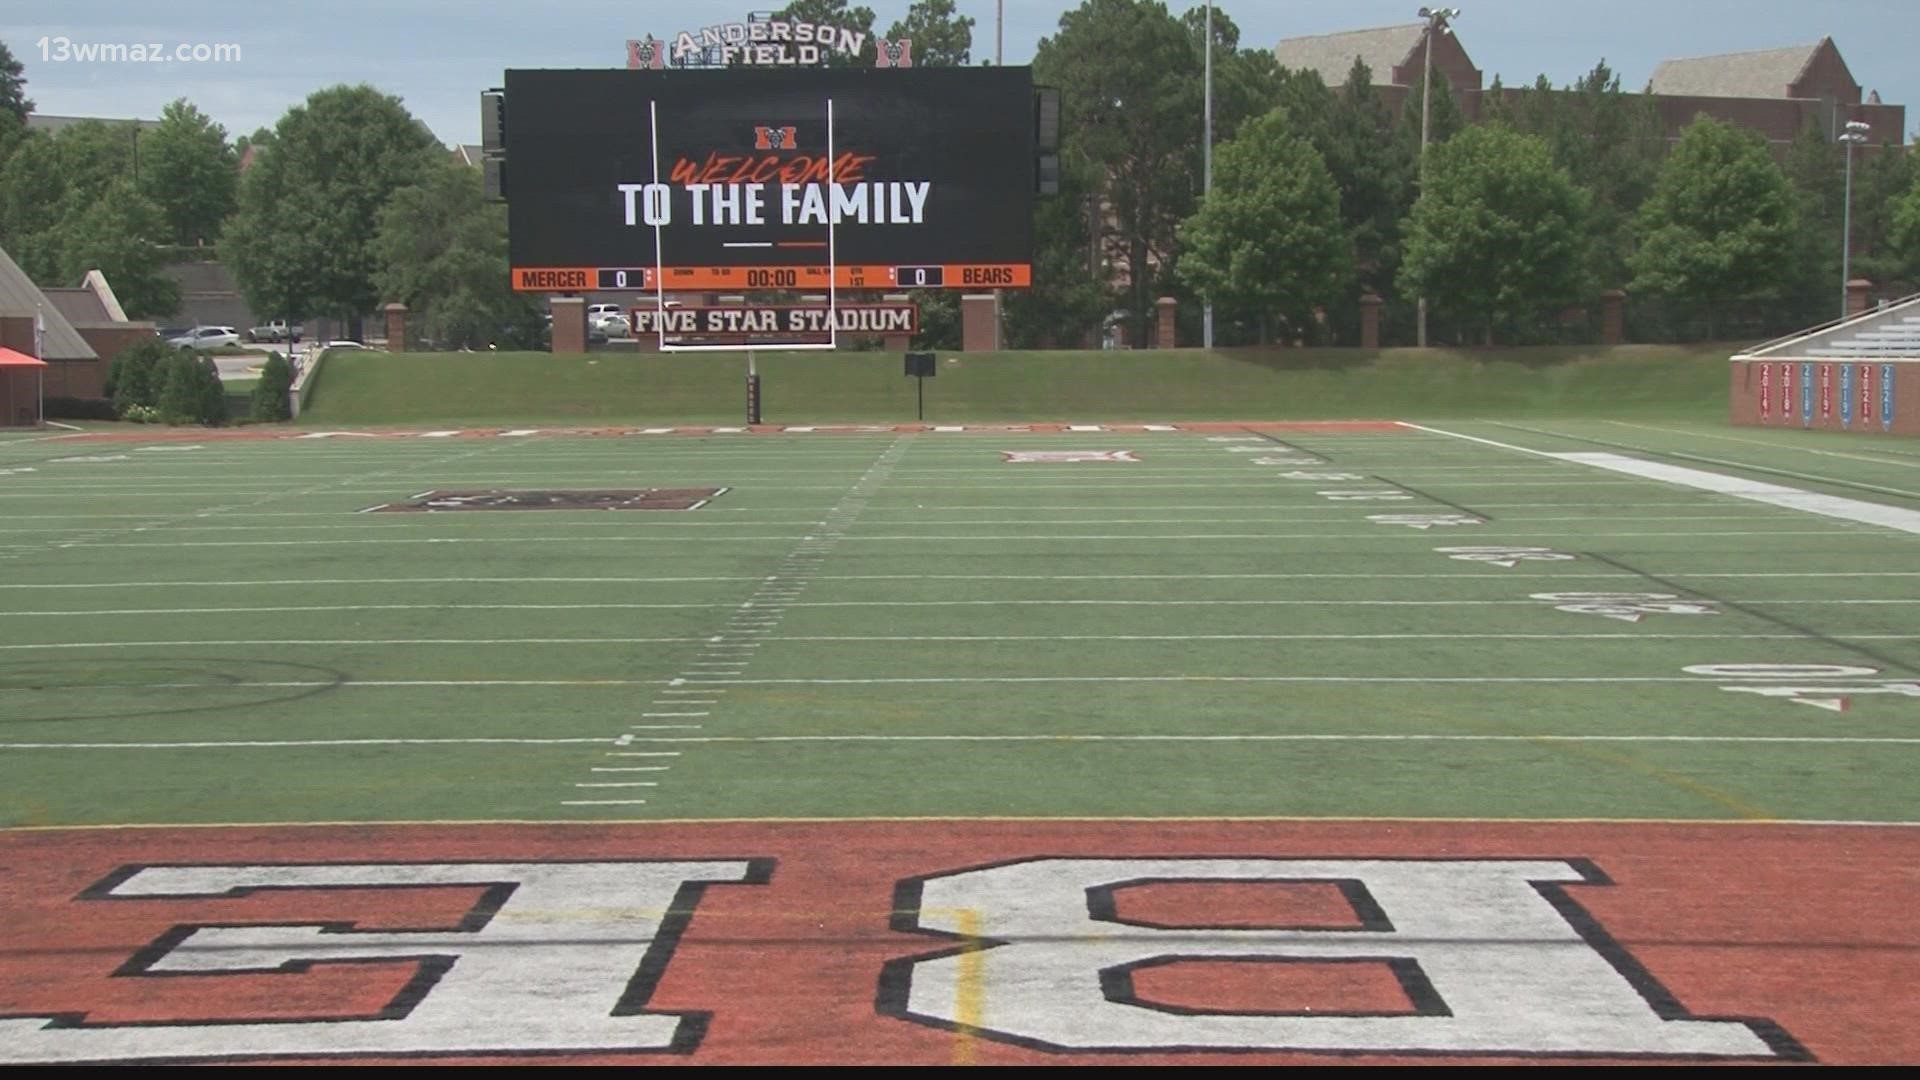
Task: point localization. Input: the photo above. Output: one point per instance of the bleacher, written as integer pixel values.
(1890, 332)
(1890, 340)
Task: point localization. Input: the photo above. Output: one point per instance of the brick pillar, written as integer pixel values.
(396, 327)
(1857, 290)
(1163, 310)
(1370, 320)
(1613, 317)
(896, 342)
(979, 322)
(569, 324)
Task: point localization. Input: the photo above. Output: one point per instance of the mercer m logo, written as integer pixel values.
(776, 138)
(648, 54)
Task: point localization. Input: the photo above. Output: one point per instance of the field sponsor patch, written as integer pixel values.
(432, 502)
(1065, 457)
(961, 942)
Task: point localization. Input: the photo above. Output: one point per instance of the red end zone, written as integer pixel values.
(944, 942)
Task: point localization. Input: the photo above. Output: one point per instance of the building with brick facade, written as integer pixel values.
(1774, 92)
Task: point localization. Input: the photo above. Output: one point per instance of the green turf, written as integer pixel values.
(907, 625)
(1666, 382)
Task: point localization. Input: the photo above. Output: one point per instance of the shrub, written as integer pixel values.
(73, 408)
(131, 378)
(270, 395)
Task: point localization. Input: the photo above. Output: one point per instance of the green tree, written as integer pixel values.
(132, 378)
(1719, 226)
(1498, 232)
(13, 86)
(1268, 239)
(191, 392)
(837, 13)
(1130, 84)
(1816, 174)
(32, 191)
(941, 37)
(1609, 141)
(302, 240)
(1070, 292)
(272, 399)
(442, 251)
(113, 234)
(188, 169)
(1882, 175)
(1374, 172)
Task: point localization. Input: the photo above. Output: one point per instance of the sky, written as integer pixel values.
(437, 55)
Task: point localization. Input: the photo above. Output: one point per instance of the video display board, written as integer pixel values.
(761, 178)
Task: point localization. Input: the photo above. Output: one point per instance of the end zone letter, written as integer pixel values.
(1500, 966)
(554, 957)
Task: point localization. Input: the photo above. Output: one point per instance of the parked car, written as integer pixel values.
(202, 338)
(614, 324)
(275, 331)
(595, 311)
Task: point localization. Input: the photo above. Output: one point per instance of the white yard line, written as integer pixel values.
(1071, 737)
(1459, 575)
(1833, 506)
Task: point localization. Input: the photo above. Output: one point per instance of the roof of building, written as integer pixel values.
(20, 296)
(1332, 55)
(1766, 73)
(81, 306)
(468, 153)
(50, 124)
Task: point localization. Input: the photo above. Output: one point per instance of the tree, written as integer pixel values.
(13, 86)
(1609, 141)
(941, 38)
(1815, 172)
(190, 390)
(442, 251)
(1268, 239)
(113, 234)
(271, 399)
(132, 378)
(1905, 233)
(1070, 292)
(837, 13)
(32, 190)
(1498, 231)
(1130, 84)
(1719, 225)
(302, 239)
(188, 169)
(1374, 172)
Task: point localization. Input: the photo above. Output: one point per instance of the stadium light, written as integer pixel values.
(1206, 185)
(1437, 20)
(1856, 133)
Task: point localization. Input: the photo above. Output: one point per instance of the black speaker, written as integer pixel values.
(921, 364)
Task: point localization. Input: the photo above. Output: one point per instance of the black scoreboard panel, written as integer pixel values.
(929, 180)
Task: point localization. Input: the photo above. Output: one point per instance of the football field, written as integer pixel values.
(830, 690)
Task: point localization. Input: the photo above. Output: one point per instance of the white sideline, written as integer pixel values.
(1833, 506)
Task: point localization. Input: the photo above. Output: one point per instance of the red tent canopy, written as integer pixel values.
(10, 358)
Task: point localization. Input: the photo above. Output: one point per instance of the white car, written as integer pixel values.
(614, 324)
(205, 337)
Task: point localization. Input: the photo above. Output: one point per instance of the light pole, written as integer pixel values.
(1856, 133)
(1437, 19)
(1206, 183)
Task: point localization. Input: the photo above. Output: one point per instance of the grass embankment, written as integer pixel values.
(1676, 382)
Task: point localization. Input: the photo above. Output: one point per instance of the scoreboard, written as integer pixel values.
(741, 179)
(737, 278)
